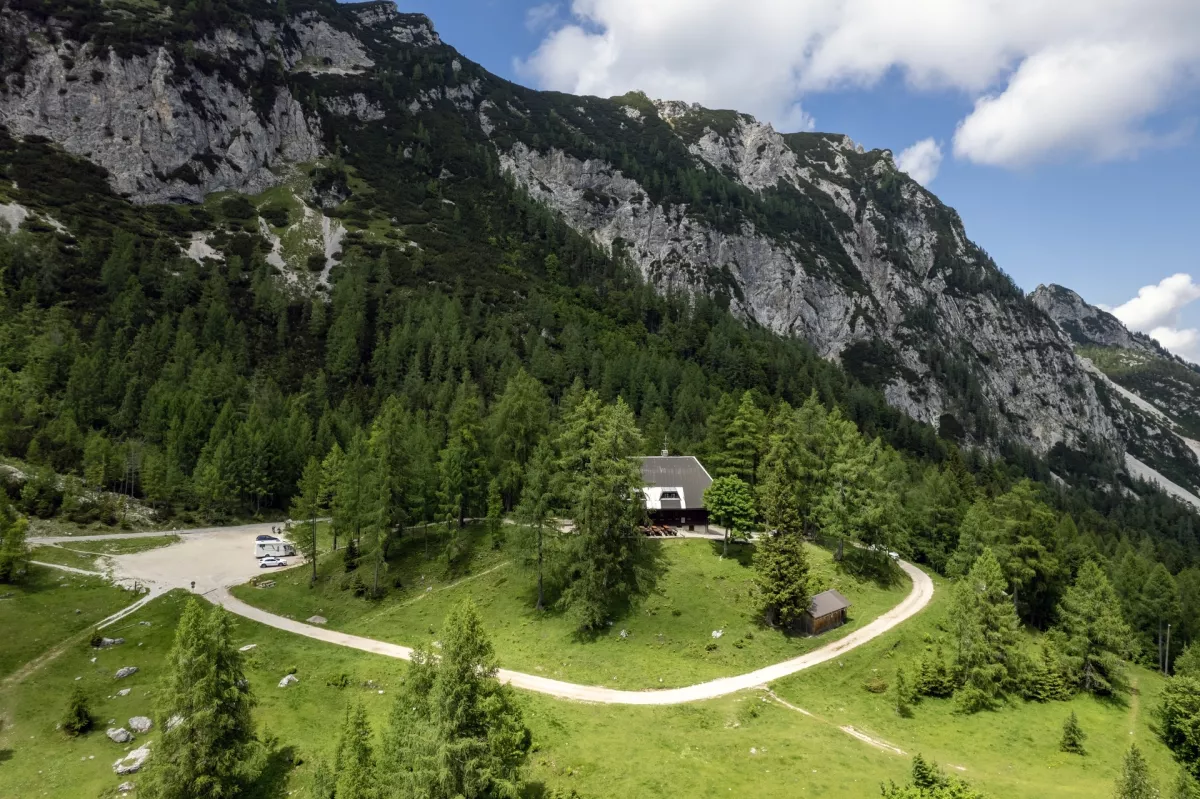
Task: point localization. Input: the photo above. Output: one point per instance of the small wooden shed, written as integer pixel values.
(827, 611)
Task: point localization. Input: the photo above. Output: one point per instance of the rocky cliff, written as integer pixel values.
(807, 235)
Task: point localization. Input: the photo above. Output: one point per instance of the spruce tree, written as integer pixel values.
(78, 718)
(1091, 634)
(988, 658)
(354, 772)
(1185, 786)
(781, 573)
(461, 465)
(211, 752)
(1134, 781)
(518, 419)
(744, 441)
(1073, 736)
(933, 675)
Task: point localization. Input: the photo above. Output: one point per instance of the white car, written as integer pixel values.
(269, 562)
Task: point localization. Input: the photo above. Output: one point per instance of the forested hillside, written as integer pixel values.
(400, 268)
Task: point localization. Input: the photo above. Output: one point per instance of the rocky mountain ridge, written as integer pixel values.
(807, 235)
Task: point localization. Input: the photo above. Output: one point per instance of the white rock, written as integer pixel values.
(120, 735)
(717, 633)
(290, 679)
(125, 787)
(317, 620)
(124, 692)
(140, 724)
(133, 761)
(248, 647)
(126, 671)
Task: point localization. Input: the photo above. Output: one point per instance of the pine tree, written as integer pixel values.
(211, 753)
(1072, 736)
(354, 769)
(78, 718)
(781, 573)
(455, 731)
(903, 695)
(987, 635)
(1091, 634)
(1134, 781)
(731, 505)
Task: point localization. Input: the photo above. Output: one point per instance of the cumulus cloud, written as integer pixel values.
(541, 17)
(1156, 311)
(1071, 77)
(921, 161)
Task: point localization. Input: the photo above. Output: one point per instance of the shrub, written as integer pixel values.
(876, 685)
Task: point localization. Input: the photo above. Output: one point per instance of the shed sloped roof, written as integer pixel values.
(827, 602)
(681, 472)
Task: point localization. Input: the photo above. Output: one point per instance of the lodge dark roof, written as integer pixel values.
(679, 472)
(827, 602)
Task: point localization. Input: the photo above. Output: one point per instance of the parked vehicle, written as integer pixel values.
(266, 537)
(275, 548)
(270, 562)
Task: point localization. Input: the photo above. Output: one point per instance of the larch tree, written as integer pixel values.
(332, 466)
(534, 512)
(744, 440)
(351, 499)
(455, 731)
(306, 507)
(987, 637)
(731, 504)
(208, 748)
(461, 465)
(354, 771)
(1091, 635)
(1159, 608)
(518, 420)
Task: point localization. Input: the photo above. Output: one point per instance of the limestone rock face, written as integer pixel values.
(900, 287)
(1087, 324)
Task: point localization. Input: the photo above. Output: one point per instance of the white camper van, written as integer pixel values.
(273, 547)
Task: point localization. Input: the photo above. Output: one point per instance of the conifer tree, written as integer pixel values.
(1188, 664)
(455, 731)
(331, 480)
(354, 770)
(306, 506)
(461, 465)
(933, 676)
(1134, 781)
(517, 421)
(1185, 786)
(1091, 634)
(781, 573)
(1159, 607)
(988, 658)
(351, 499)
(537, 498)
(744, 440)
(13, 551)
(903, 695)
(731, 505)
(605, 560)
(78, 718)
(211, 752)
(1178, 716)
(1072, 736)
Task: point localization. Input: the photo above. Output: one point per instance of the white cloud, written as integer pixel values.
(1156, 310)
(540, 17)
(921, 161)
(1069, 77)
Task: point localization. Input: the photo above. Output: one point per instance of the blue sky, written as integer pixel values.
(1091, 183)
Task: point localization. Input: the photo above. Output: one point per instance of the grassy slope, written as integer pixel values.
(669, 634)
(125, 546)
(700, 750)
(39, 614)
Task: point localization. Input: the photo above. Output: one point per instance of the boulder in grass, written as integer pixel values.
(317, 620)
(105, 643)
(290, 679)
(124, 692)
(126, 671)
(125, 787)
(248, 647)
(119, 735)
(132, 762)
(140, 724)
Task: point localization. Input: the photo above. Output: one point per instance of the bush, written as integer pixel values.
(340, 681)
(876, 685)
(78, 718)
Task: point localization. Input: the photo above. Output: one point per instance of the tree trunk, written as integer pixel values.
(314, 552)
(725, 547)
(540, 596)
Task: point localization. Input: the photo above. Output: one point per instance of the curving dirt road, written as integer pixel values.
(219, 558)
